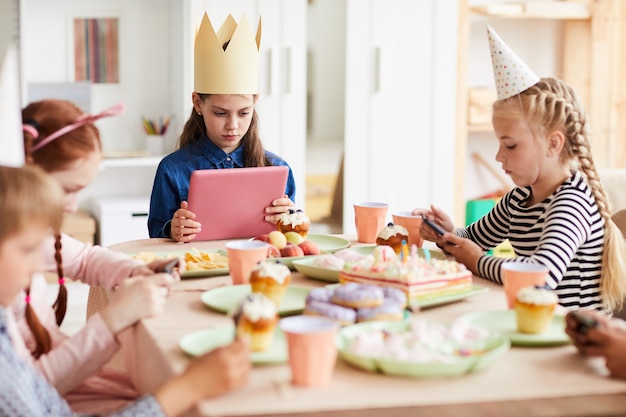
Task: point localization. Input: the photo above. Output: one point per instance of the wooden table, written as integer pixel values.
(539, 381)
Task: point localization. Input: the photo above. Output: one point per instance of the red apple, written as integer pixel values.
(309, 248)
(291, 250)
(263, 238)
(273, 252)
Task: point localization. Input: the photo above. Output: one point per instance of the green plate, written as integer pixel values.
(326, 243)
(496, 345)
(203, 341)
(503, 321)
(200, 273)
(306, 267)
(447, 299)
(226, 299)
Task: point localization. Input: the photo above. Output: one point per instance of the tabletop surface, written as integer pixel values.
(525, 381)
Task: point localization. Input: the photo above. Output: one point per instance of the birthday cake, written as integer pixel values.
(420, 277)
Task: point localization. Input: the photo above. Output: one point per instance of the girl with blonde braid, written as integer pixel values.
(558, 214)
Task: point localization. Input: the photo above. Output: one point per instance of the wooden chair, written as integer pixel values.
(98, 299)
(619, 218)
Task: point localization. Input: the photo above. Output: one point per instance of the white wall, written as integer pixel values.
(46, 42)
(326, 77)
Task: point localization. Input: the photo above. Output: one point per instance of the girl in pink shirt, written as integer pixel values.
(63, 141)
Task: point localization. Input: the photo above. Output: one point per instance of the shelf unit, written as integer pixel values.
(593, 60)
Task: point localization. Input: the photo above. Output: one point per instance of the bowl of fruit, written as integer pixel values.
(289, 246)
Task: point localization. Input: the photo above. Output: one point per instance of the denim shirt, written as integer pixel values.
(171, 181)
(25, 392)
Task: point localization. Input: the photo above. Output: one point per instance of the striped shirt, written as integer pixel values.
(565, 232)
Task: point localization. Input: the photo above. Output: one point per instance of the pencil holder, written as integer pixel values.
(155, 145)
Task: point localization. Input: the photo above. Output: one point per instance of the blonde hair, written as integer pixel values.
(30, 196)
(551, 105)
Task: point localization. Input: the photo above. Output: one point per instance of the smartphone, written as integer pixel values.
(169, 267)
(434, 226)
(585, 323)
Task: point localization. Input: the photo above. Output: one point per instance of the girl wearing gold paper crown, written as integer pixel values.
(221, 132)
(558, 215)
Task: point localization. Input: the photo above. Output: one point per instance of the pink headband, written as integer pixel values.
(82, 120)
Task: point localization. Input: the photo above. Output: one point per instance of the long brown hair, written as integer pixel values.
(29, 195)
(551, 105)
(47, 117)
(254, 153)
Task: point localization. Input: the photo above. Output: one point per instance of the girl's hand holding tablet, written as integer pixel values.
(183, 227)
(278, 207)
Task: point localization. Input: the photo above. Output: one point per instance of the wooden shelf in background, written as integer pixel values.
(555, 10)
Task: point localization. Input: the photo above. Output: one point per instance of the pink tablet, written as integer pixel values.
(230, 203)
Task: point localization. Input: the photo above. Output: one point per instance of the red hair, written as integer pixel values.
(47, 117)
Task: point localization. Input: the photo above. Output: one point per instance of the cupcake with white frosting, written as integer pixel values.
(256, 319)
(294, 221)
(395, 236)
(534, 309)
(270, 278)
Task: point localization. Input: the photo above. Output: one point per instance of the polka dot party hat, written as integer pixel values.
(511, 74)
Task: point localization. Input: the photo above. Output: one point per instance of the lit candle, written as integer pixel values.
(426, 254)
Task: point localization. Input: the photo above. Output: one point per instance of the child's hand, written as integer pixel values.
(604, 340)
(437, 216)
(278, 207)
(221, 370)
(183, 227)
(136, 298)
(157, 266)
(581, 339)
(464, 250)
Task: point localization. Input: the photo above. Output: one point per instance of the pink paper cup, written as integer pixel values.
(369, 218)
(517, 275)
(412, 224)
(243, 255)
(311, 349)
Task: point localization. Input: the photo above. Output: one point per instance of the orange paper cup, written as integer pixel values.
(311, 348)
(412, 224)
(517, 275)
(369, 218)
(243, 255)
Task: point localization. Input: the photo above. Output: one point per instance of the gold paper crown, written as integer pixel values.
(227, 62)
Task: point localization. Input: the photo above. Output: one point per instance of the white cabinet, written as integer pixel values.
(121, 219)
(400, 104)
(282, 75)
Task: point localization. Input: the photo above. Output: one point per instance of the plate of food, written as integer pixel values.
(301, 249)
(226, 299)
(504, 321)
(199, 263)
(326, 267)
(420, 348)
(202, 341)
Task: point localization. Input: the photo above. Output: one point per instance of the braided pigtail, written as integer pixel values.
(43, 342)
(555, 106)
(613, 279)
(60, 305)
